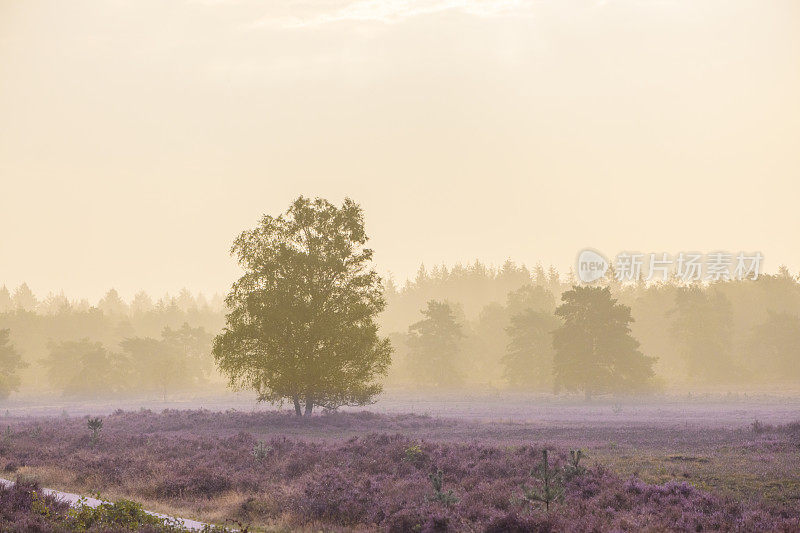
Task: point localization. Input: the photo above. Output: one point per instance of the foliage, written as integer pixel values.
(121, 515)
(261, 451)
(10, 363)
(413, 454)
(439, 495)
(302, 321)
(23, 507)
(573, 467)
(434, 343)
(528, 362)
(594, 349)
(550, 486)
(159, 365)
(702, 333)
(774, 343)
(95, 425)
(84, 368)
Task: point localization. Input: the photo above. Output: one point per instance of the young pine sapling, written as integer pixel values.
(95, 425)
(439, 495)
(551, 486)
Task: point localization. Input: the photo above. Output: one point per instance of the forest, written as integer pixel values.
(451, 328)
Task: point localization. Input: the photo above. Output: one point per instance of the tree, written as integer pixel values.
(157, 365)
(10, 362)
(6, 303)
(302, 323)
(775, 343)
(435, 345)
(142, 303)
(195, 345)
(83, 368)
(24, 298)
(528, 362)
(701, 331)
(530, 297)
(594, 349)
(112, 304)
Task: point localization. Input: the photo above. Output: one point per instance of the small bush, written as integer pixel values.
(95, 425)
(439, 495)
(413, 454)
(261, 451)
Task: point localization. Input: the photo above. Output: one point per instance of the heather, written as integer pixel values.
(367, 471)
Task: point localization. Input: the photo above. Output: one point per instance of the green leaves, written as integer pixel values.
(302, 320)
(595, 351)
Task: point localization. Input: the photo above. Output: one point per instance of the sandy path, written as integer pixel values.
(73, 499)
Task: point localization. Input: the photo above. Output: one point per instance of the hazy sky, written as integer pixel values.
(138, 137)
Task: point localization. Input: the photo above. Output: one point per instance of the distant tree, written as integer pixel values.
(112, 304)
(6, 303)
(775, 346)
(24, 298)
(484, 344)
(195, 345)
(528, 362)
(302, 324)
(434, 344)
(10, 362)
(594, 349)
(83, 369)
(702, 333)
(142, 303)
(157, 365)
(530, 297)
(54, 304)
(185, 301)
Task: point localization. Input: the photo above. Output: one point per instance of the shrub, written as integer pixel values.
(573, 467)
(439, 495)
(95, 425)
(413, 454)
(261, 451)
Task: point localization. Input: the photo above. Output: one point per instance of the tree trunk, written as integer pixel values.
(309, 404)
(297, 410)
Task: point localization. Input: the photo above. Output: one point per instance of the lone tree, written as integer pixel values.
(302, 317)
(594, 349)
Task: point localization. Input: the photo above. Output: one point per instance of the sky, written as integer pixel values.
(139, 137)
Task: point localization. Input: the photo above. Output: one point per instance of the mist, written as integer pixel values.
(399, 265)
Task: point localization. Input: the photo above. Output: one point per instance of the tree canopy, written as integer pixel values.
(434, 343)
(594, 349)
(302, 322)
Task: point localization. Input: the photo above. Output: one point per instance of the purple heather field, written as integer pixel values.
(678, 464)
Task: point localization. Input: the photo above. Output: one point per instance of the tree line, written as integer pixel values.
(311, 322)
(702, 336)
(116, 349)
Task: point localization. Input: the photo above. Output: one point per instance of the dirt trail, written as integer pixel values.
(73, 499)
